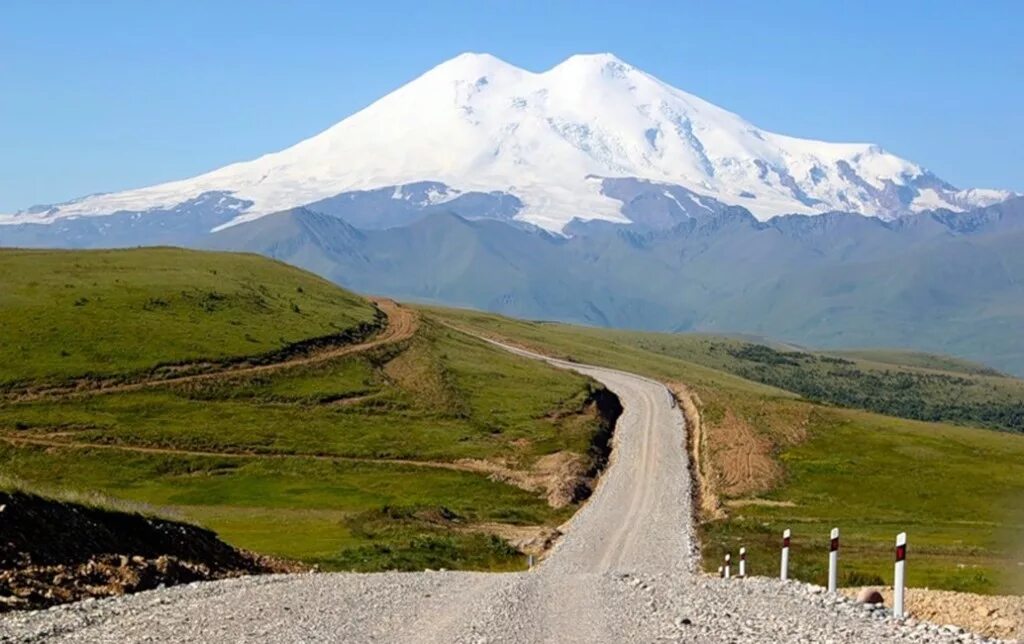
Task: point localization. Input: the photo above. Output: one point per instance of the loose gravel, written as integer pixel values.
(626, 571)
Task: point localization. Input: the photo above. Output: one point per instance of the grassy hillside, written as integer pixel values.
(71, 313)
(772, 459)
(367, 453)
(928, 388)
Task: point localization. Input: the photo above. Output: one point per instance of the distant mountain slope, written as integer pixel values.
(946, 282)
(491, 139)
(593, 192)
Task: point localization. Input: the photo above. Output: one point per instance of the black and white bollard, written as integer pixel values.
(784, 565)
(899, 583)
(529, 561)
(727, 568)
(743, 562)
(833, 560)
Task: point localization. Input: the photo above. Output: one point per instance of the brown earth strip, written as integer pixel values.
(766, 503)
(706, 499)
(528, 539)
(557, 476)
(466, 466)
(551, 475)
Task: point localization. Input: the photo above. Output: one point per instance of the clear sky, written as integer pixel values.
(108, 95)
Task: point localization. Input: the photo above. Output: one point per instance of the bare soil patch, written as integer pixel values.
(741, 458)
(563, 477)
(999, 616)
(528, 539)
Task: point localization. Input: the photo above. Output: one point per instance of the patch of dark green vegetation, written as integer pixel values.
(908, 393)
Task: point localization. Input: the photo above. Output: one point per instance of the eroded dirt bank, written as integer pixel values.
(52, 552)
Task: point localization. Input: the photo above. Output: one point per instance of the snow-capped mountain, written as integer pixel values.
(548, 144)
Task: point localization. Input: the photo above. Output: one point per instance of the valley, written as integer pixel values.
(396, 437)
(511, 323)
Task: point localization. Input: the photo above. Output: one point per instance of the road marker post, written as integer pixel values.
(727, 568)
(833, 560)
(529, 561)
(743, 562)
(784, 564)
(899, 583)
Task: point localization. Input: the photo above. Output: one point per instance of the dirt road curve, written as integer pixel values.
(402, 325)
(625, 572)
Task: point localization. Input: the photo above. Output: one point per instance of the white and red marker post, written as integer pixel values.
(784, 564)
(899, 583)
(727, 568)
(833, 560)
(743, 562)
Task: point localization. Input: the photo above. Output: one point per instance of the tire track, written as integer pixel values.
(172, 451)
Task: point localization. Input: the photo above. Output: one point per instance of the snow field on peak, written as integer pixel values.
(478, 123)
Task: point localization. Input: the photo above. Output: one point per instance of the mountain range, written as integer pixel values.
(594, 192)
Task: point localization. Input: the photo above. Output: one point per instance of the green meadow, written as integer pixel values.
(76, 313)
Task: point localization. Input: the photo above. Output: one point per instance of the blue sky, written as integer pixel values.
(102, 96)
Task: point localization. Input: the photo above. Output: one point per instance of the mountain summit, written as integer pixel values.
(549, 143)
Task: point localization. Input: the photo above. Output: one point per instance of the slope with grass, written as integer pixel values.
(72, 313)
(305, 426)
(770, 458)
(904, 384)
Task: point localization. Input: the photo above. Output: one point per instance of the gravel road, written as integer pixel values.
(626, 571)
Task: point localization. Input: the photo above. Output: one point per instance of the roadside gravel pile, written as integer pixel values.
(476, 608)
(626, 571)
